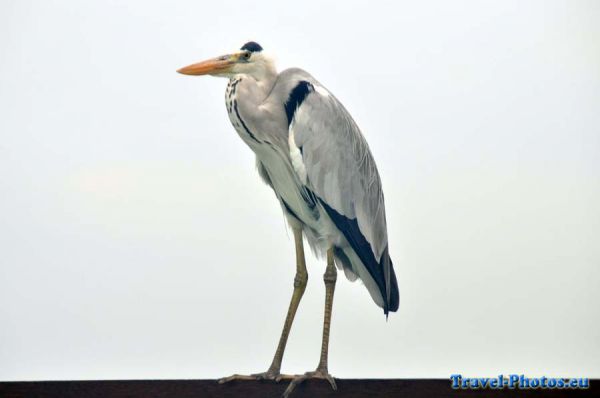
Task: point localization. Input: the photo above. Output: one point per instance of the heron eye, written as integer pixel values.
(247, 55)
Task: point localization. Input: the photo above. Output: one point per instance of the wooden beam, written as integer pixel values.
(414, 388)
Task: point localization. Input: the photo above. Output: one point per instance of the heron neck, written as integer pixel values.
(265, 81)
(260, 81)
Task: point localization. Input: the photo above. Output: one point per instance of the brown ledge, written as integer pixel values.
(347, 388)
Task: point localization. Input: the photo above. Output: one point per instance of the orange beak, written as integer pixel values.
(213, 66)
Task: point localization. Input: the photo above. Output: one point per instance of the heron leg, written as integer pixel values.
(322, 372)
(300, 281)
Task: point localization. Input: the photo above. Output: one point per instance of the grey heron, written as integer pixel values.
(312, 154)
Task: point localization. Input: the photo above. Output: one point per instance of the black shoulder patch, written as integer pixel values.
(252, 46)
(296, 97)
(362, 248)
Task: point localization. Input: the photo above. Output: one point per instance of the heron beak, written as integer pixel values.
(213, 66)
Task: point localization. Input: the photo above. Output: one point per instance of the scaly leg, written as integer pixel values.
(299, 286)
(321, 372)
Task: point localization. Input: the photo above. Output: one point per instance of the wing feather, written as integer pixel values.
(338, 167)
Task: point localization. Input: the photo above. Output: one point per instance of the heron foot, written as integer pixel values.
(317, 374)
(268, 375)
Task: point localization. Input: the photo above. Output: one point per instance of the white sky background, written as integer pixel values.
(137, 241)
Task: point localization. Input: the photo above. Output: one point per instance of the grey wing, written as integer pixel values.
(333, 160)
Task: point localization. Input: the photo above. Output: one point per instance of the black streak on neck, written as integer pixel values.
(235, 108)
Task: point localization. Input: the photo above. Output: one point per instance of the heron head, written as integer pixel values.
(249, 60)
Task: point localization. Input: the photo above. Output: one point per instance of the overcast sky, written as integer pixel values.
(137, 241)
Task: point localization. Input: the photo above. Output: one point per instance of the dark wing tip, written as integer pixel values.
(362, 248)
(394, 302)
(252, 46)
